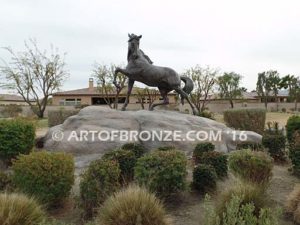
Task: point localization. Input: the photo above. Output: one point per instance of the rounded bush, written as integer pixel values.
(204, 178)
(251, 166)
(136, 148)
(275, 144)
(17, 209)
(248, 193)
(207, 114)
(293, 125)
(132, 206)
(200, 149)
(246, 119)
(250, 145)
(126, 160)
(294, 155)
(47, 176)
(217, 160)
(16, 137)
(100, 180)
(162, 172)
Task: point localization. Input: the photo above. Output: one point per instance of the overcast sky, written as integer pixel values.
(242, 36)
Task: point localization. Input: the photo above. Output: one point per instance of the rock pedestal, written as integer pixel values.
(86, 135)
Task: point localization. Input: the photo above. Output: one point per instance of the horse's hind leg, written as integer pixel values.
(186, 96)
(130, 86)
(164, 94)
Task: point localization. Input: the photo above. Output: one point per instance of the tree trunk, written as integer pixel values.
(266, 102)
(277, 104)
(116, 100)
(231, 103)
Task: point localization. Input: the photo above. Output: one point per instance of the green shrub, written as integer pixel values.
(204, 178)
(47, 176)
(275, 144)
(162, 172)
(251, 166)
(100, 180)
(294, 155)
(12, 110)
(206, 114)
(5, 181)
(16, 137)
(250, 145)
(56, 117)
(132, 206)
(248, 193)
(137, 149)
(17, 209)
(246, 119)
(126, 160)
(218, 160)
(166, 148)
(200, 149)
(236, 213)
(293, 125)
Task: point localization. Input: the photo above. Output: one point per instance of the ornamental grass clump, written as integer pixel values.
(132, 206)
(18, 209)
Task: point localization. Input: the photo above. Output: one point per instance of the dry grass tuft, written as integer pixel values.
(17, 209)
(132, 206)
(292, 205)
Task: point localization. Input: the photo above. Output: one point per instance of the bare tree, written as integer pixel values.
(104, 75)
(147, 95)
(34, 74)
(204, 79)
(141, 96)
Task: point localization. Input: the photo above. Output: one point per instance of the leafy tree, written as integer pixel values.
(204, 79)
(292, 83)
(275, 83)
(229, 86)
(268, 81)
(34, 74)
(105, 75)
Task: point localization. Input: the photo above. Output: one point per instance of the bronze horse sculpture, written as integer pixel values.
(140, 68)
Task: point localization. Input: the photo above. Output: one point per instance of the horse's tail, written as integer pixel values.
(188, 87)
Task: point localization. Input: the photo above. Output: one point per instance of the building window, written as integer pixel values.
(70, 101)
(104, 101)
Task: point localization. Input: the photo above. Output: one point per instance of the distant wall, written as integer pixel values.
(216, 107)
(220, 107)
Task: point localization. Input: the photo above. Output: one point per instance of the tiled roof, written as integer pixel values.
(9, 97)
(96, 91)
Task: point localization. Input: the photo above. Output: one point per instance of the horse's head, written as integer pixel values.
(133, 46)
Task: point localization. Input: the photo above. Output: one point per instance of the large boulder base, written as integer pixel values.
(97, 119)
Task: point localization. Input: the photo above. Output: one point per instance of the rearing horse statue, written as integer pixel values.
(140, 68)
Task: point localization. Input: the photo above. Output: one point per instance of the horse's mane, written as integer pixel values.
(146, 57)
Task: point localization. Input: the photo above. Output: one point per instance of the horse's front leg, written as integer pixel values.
(130, 86)
(119, 70)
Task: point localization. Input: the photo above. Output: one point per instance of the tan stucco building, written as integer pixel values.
(92, 96)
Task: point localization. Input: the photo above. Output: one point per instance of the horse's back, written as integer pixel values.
(162, 76)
